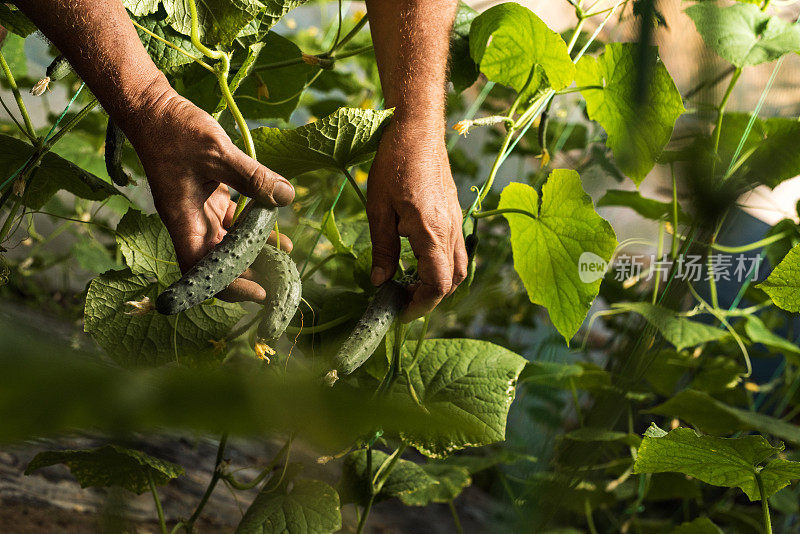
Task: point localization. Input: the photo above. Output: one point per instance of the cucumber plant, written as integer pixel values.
(667, 416)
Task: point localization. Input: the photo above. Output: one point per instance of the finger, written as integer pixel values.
(460, 258)
(385, 245)
(254, 180)
(286, 243)
(241, 290)
(227, 220)
(434, 268)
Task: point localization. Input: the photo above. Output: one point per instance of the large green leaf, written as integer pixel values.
(550, 249)
(146, 246)
(783, 283)
(110, 465)
(14, 53)
(346, 138)
(53, 174)
(701, 525)
(298, 506)
(463, 71)
(467, 383)
(451, 480)
(646, 207)
(743, 34)
(758, 332)
(142, 7)
(405, 478)
(275, 10)
(679, 331)
(512, 45)
(638, 126)
(283, 86)
(712, 374)
(15, 21)
(715, 417)
(727, 462)
(220, 21)
(164, 56)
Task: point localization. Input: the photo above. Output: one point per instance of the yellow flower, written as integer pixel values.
(140, 307)
(219, 346)
(462, 127)
(264, 351)
(361, 176)
(290, 23)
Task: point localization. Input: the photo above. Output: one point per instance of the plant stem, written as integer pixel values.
(10, 219)
(456, 520)
(659, 254)
(316, 329)
(176, 48)
(569, 90)
(234, 334)
(352, 33)
(721, 114)
(19, 126)
(18, 96)
(352, 52)
(261, 476)
(491, 213)
(357, 189)
(215, 476)
(70, 124)
(587, 506)
(674, 249)
(764, 504)
(322, 262)
(159, 510)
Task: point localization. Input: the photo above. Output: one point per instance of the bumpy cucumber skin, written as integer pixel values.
(58, 68)
(283, 288)
(370, 329)
(223, 264)
(115, 141)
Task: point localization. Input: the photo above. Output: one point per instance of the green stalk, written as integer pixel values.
(322, 262)
(229, 478)
(456, 520)
(215, 476)
(71, 124)
(352, 33)
(764, 504)
(721, 114)
(674, 250)
(659, 253)
(20, 127)
(18, 97)
(570, 90)
(10, 219)
(357, 189)
(751, 246)
(491, 213)
(160, 511)
(316, 329)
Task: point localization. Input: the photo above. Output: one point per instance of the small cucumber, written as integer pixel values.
(223, 264)
(369, 331)
(115, 142)
(283, 289)
(58, 68)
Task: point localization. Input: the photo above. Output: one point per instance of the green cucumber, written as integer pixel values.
(381, 312)
(283, 288)
(223, 264)
(58, 68)
(115, 141)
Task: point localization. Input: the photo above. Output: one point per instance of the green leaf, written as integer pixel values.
(582, 375)
(715, 417)
(299, 506)
(53, 174)
(783, 283)
(220, 21)
(467, 383)
(511, 44)
(110, 465)
(284, 86)
(275, 11)
(602, 434)
(346, 138)
(331, 232)
(463, 71)
(727, 462)
(701, 525)
(146, 246)
(91, 255)
(451, 481)
(646, 207)
(680, 331)
(758, 332)
(778, 250)
(406, 478)
(744, 35)
(153, 339)
(550, 250)
(14, 54)
(139, 8)
(165, 57)
(638, 126)
(712, 374)
(15, 21)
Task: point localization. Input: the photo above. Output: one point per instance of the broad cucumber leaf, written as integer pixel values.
(680, 331)
(154, 339)
(590, 434)
(146, 246)
(405, 479)
(220, 21)
(346, 138)
(549, 250)
(778, 250)
(727, 462)
(15, 21)
(165, 57)
(715, 417)
(646, 207)
(758, 332)
(463, 70)
(92, 255)
(110, 465)
(275, 10)
(712, 374)
(512, 45)
(53, 174)
(743, 34)
(14, 53)
(467, 383)
(451, 481)
(638, 127)
(701, 525)
(331, 232)
(139, 8)
(581, 375)
(276, 92)
(298, 506)
(783, 283)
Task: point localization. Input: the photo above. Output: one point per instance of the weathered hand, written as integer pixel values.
(411, 193)
(190, 161)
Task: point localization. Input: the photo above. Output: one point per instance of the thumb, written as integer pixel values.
(385, 246)
(254, 180)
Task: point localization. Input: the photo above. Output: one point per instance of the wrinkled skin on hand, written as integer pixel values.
(411, 193)
(190, 164)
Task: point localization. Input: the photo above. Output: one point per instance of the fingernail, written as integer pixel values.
(378, 276)
(283, 192)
